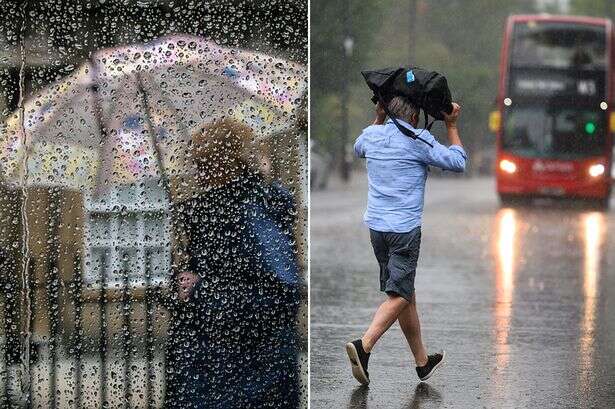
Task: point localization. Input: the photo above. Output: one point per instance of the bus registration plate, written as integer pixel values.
(553, 191)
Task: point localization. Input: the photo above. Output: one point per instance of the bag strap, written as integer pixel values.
(399, 126)
(428, 124)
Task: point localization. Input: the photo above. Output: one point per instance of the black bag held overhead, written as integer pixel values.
(428, 90)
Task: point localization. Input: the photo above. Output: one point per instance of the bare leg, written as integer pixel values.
(385, 316)
(411, 327)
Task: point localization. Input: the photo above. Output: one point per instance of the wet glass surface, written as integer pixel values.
(153, 204)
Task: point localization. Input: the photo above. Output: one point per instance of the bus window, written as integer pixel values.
(556, 45)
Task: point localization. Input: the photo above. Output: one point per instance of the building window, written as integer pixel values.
(127, 237)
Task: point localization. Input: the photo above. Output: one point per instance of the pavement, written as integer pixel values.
(519, 298)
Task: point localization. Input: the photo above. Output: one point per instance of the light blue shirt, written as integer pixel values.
(397, 169)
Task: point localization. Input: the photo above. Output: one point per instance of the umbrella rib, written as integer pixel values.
(97, 111)
(183, 129)
(153, 137)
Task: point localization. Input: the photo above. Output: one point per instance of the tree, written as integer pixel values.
(331, 22)
(596, 8)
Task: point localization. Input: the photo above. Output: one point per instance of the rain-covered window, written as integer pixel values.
(153, 204)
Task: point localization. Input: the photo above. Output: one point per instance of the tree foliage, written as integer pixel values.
(330, 23)
(595, 8)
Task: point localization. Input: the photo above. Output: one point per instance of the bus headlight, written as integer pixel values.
(508, 166)
(596, 170)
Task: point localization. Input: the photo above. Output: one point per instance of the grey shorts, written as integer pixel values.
(397, 255)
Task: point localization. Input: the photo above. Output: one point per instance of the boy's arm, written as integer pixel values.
(358, 147)
(451, 125)
(454, 157)
(381, 116)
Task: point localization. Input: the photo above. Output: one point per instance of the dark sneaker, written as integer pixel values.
(358, 360)
(433, 362)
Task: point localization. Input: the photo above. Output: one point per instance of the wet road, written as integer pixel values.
(519, 298)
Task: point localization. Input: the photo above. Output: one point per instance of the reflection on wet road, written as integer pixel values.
(518, 297)
(423, 394)
(506, 220)
(593, 236)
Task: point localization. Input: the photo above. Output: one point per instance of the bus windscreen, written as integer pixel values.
(565, 133)
(558, 45)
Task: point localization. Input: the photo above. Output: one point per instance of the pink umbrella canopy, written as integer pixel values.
(128, 113)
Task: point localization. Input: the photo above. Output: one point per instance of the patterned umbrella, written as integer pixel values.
(128, 113)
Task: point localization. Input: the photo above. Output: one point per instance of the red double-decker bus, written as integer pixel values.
(553, 120)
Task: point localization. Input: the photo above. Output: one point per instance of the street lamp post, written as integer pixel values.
(348, 45)
(412, 31)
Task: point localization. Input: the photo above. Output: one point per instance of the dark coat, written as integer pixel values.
(234, 343)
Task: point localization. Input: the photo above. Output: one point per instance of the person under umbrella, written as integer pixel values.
(232, 341)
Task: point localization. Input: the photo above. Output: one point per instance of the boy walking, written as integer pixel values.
(397, 169)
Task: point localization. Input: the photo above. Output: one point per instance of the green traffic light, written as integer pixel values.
(590, 128)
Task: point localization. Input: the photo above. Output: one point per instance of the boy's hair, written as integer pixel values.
(403, 109)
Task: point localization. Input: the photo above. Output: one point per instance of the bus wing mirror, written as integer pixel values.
(495, 121)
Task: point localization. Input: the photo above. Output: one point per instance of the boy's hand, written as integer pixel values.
(381, 116)
(451, 119)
